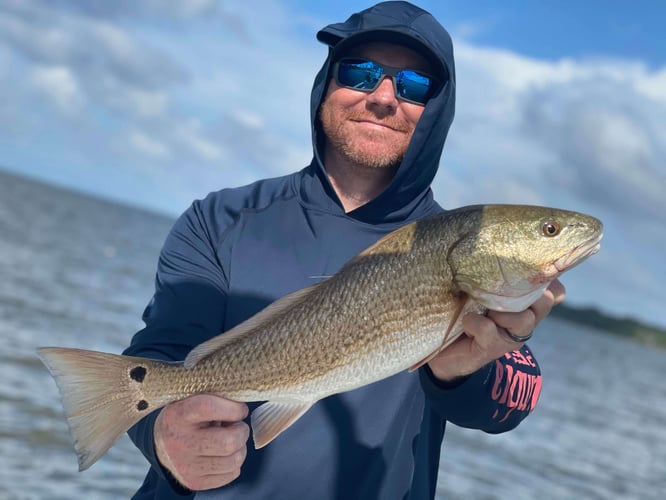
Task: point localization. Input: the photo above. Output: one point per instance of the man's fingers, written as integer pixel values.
(215, 466)
(480, 344)
(202, 440)
(558, 291)
(481, 328)
(489, 337)
(489, 334)
(519, 323)
(222, 441)
(553, 295)
(219, 463)
(522, 324)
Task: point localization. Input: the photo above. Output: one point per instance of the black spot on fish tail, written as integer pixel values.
(138, 373)
(142, 405)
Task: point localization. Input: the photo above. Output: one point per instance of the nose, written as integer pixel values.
(384, 94)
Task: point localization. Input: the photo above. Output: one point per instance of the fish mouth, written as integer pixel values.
(579, 253)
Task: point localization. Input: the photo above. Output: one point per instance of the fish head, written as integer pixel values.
(509, 254)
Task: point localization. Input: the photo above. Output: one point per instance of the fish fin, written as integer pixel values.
(272, 418)
(446, 341)
(101, 394)
(425, 360)
(399, 241)
(465, 299)
(218, 342)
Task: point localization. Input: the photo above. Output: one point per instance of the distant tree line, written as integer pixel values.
(626, 327)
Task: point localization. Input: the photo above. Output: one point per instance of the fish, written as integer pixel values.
(392, 307)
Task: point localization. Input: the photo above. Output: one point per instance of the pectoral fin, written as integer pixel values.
(271, 418)
(445, 342)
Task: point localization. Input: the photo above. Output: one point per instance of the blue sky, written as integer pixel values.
(156, 103)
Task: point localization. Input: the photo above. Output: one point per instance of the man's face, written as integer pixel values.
(372, 129)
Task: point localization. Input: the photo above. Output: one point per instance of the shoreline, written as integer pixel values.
(621, 326)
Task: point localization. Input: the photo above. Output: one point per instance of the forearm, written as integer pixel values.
(496, 398)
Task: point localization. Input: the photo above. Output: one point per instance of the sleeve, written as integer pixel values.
(494, 399)
(188, 307)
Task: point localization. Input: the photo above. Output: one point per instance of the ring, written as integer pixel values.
(518, 338)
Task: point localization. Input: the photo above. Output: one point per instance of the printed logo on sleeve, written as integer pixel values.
(515, 388)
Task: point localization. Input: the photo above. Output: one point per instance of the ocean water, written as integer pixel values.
(77, 271)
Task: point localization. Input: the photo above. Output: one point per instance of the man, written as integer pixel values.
(382, 105)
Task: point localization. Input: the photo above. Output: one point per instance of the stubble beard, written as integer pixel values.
(372, 149)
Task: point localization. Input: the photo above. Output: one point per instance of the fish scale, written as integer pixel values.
(392, 307)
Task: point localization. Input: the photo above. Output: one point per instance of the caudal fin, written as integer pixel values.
(102, 396)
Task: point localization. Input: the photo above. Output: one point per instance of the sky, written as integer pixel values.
(155, 103)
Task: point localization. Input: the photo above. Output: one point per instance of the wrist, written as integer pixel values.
(444, 381)
(164, 461)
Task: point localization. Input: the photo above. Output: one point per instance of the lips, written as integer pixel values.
(382, 124)
(375, 124)
(578, 254)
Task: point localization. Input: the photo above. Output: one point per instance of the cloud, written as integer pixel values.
(88, 47)
(185, 97)
(652, 85)
(176, 99)
(587, 135)
(190, 136)
(148, 146)
(60, 85)
(150, 9)
(589, 130)
(606, 139)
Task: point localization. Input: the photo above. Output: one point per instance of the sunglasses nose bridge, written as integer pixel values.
(385, 91)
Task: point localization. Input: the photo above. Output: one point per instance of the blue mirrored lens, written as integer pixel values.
(361, 76)
(366, 75)
(413, 86)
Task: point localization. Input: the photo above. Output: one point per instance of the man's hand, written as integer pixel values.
(485, 338)
(202, 440)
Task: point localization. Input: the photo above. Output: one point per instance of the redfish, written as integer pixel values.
(392, 307)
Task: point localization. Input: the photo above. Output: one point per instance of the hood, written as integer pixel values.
(404, 23)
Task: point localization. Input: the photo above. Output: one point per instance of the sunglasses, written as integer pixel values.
(365, 75)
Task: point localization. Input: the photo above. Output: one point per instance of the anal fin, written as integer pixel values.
(454, 318)
(272, 418)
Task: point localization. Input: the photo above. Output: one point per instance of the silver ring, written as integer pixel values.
(518, 338)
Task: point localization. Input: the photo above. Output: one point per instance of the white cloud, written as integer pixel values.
(60, 86)
(191, 136)
(144, 9)
(146, 145)
(147, 104)
(605, 138)
(250, 119)
(567, 125)
(221, 97)
(587, 135)
(652, 85)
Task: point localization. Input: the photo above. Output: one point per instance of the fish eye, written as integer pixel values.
(550, 228)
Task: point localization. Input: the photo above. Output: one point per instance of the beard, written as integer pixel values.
(365, 148)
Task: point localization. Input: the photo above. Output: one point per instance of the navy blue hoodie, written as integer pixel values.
(237, 250)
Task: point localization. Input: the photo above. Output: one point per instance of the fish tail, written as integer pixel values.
(102, 395)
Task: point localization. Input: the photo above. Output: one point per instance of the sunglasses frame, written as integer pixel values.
(386, 71)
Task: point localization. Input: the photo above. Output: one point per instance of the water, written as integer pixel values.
(598, 432)
(76, 271)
